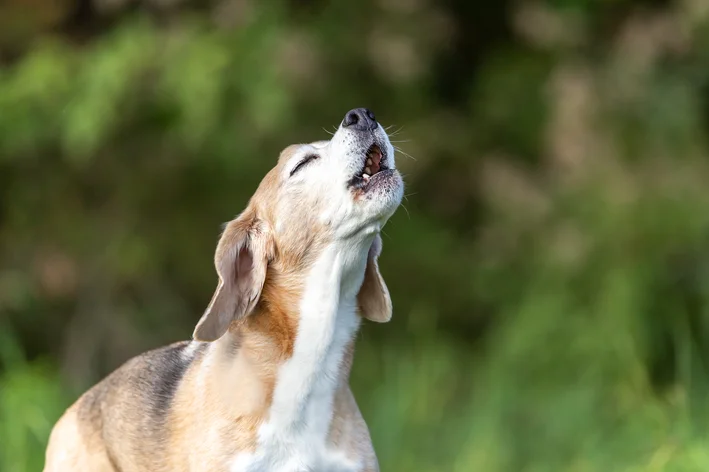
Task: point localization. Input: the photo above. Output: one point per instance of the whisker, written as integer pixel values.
(395, 132)
(401, 141)
(404, 153)
(406, 210)
(328, 132)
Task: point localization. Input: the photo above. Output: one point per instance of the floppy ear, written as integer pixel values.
(373, 298)
(241, 260)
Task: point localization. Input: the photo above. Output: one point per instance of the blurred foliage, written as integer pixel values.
(549, 272)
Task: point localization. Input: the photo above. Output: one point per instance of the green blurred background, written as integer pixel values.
(550, 272)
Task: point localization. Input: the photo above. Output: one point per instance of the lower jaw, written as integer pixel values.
(365, 186)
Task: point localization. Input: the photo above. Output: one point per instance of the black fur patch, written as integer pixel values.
(132, 405)
(165, 371)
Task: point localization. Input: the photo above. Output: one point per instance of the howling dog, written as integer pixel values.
(264, 384)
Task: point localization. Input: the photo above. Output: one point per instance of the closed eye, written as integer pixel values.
(306, 160)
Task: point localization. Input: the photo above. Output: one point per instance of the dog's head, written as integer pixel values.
(340, 191)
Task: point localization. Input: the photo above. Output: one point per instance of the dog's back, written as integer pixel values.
(129, 409)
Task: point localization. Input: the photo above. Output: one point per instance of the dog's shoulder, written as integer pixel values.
(127, 413)
(156, 375)
(141, 390)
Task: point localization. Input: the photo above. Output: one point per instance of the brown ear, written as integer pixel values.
(241, 260)
(373, 298)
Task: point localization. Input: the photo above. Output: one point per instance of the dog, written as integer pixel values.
(263, 386)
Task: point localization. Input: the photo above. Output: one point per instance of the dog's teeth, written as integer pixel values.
(365, 177)
(369, 162)
(367, 170)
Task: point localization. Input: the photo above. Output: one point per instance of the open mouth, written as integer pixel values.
(374, 163)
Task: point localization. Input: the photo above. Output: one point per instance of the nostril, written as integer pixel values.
(351, 119)
(360, 119)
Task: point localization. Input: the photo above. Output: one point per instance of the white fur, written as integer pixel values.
(294, 437)
(190, 349)
(322, 184)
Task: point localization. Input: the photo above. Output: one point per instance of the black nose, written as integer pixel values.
(361, 119)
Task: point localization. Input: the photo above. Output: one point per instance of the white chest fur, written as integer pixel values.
(294, 436)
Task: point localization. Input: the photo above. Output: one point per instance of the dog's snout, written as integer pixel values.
(361, 119)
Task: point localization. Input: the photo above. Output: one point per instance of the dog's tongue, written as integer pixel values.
(374, 159)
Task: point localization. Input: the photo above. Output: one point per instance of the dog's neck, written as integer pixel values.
(327, 322)
(315, 332)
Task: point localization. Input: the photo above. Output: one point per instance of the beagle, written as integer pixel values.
(264, 384)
